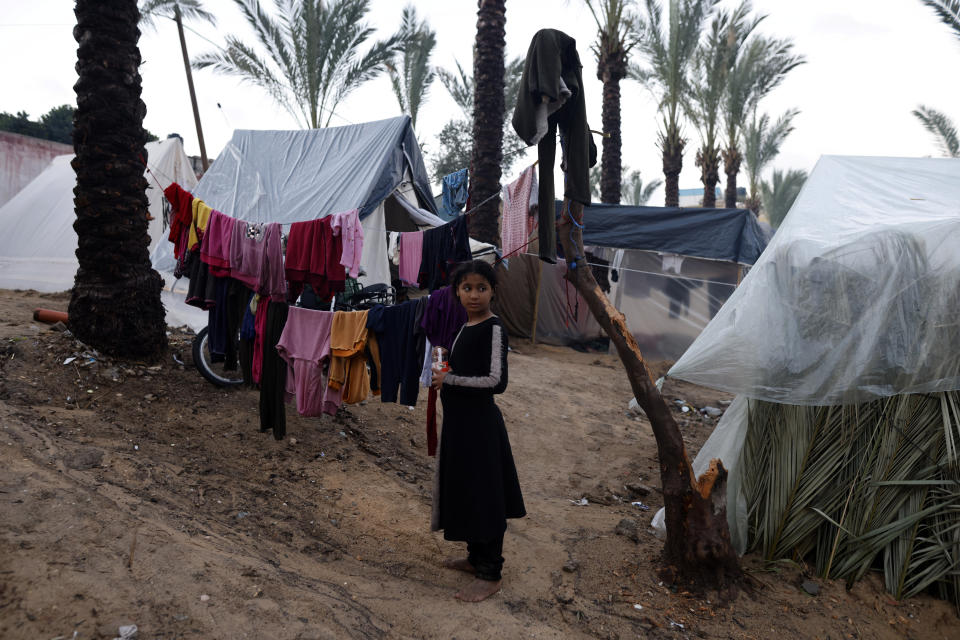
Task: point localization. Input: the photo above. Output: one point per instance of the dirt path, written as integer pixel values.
(149, 497)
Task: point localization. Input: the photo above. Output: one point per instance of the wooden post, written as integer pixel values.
(193, 94)
(536, 300)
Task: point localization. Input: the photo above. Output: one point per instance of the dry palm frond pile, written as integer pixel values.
(859, 487)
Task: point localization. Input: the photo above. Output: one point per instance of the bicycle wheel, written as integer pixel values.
(212, 371)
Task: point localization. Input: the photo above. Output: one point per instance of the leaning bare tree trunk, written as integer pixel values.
(488, 114)
(115, 306)
(698, 551)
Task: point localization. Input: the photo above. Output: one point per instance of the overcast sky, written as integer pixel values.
(869, 63)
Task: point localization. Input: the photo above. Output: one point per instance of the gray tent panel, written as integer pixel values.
(292, 176)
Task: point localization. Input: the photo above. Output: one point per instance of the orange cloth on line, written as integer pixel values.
(348, 357)
(201, 215)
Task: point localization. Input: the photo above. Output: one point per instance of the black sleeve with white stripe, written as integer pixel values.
(493, 382)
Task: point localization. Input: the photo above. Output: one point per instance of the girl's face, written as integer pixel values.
(475, 294)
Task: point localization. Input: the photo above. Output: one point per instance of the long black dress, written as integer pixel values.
(476, 487)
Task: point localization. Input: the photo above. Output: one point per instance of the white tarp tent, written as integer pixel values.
(37, 241)
(854, 299)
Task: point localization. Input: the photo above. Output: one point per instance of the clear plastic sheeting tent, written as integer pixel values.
(855, 298)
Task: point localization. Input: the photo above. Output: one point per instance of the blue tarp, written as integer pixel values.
(715, 234)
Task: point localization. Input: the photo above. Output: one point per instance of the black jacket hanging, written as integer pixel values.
(551, 96)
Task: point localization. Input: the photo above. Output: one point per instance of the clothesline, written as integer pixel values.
(652, 273)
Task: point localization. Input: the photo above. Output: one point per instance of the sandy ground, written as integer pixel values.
(138, 495)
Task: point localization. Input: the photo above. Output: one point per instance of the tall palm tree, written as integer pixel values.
(780, 192)
(942, 128)
(115, 304)
(667, 51)
(615, 39)
(411, 78)
(178, 11)
(761, 65)
(488, 117)
(313, 58)
(712, 62)
(761, 144)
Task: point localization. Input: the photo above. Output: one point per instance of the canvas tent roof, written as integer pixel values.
(717, 234)
(37, 240)
(856, 296)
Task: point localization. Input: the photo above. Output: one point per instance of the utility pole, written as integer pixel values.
(193, 94)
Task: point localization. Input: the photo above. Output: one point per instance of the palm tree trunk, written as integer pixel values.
(488, 114)
(731, 166)
(698, 550)
(611, 70)
(708, 159)
(115, 306)
(672, 145)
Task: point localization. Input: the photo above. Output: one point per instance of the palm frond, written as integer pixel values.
(459, 86)
(150, 10)
(762, 142)
(948, 11)
(411, 78)
(942, 128)
(779, 194)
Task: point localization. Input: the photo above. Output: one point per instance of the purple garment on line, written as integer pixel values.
(256, 259)
(305, 346)
(443, 317)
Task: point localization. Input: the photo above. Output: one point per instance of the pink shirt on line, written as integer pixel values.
(411, 251)
(516, 223)
(305, 346)
(347, 225)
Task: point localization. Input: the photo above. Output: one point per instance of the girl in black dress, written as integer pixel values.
(476, 487)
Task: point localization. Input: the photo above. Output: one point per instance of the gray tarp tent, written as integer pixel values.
(669, 272)
(293, 176)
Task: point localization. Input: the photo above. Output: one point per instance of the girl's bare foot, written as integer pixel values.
(478, 590)
(459, 564)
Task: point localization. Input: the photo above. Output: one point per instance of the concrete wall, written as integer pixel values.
(22, 159)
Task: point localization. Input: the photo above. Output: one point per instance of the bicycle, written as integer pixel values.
(223, 373)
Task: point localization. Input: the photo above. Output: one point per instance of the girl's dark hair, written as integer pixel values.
(478, 267)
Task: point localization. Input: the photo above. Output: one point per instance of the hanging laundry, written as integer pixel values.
(215, 246)
(256, 258)
(182, 203)
(259, 326)
(198, 222)
(305, 347)
(554, 98)
(516, 224)
(444, 248)
(455, 192)
(346, 225)
(400, 358)
(442, 319)
(349, 338)
(313, 257)
(411, 252)
(273, 374)
(670, 262)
